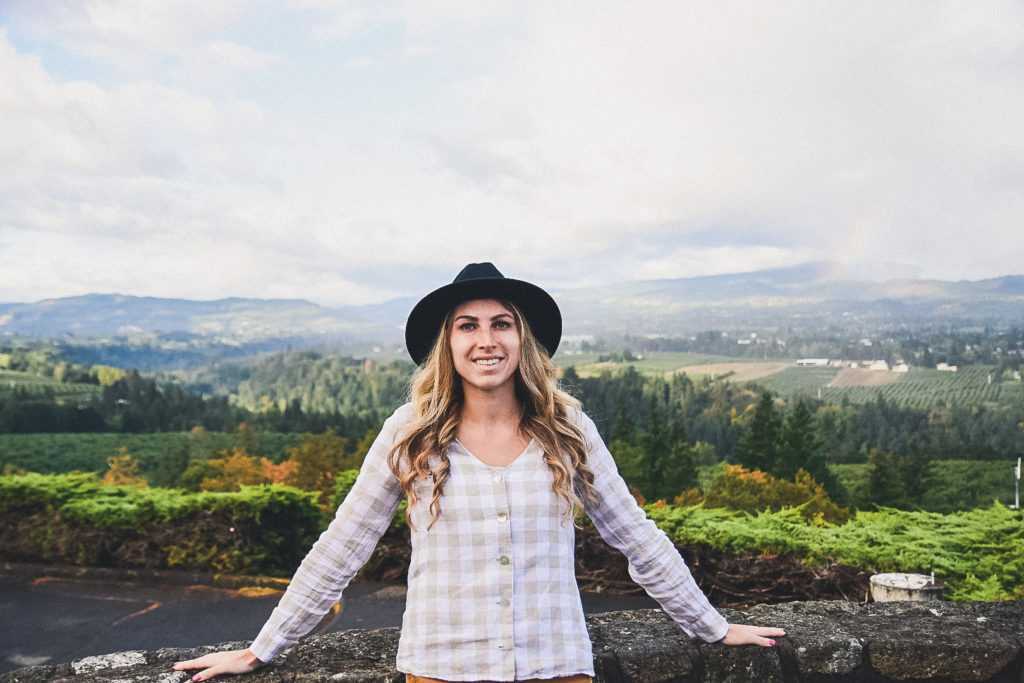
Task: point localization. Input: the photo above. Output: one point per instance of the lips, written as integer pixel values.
(487, 361)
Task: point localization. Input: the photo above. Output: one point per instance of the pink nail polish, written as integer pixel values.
(771, 642)
(197, 677)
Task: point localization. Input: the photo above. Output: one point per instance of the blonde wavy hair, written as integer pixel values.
(437, 398)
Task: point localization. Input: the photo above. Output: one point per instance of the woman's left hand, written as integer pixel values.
(742, 634)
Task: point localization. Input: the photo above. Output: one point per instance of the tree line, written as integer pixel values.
(137, 404)
(661, 430)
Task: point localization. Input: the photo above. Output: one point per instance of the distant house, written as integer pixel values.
(812, 362)
(946, 367)
(901, 367)
(879, 366)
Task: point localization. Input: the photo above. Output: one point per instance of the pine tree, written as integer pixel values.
(759, 445)
(656, 453)
(800, 447)
(623, 427)
(678, 473)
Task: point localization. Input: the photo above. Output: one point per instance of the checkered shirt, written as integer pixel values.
(492, 590)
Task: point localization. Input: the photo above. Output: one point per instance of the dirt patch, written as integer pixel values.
(736, 372)
(862, 377)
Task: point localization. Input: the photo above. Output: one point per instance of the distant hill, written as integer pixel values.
(236, 319)
(800, 298)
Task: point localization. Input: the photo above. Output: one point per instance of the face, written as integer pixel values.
(485, 345)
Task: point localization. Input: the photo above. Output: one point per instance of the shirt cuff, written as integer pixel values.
(265, 649)
(711, 627)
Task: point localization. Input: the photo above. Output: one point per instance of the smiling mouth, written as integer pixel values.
(487, 361)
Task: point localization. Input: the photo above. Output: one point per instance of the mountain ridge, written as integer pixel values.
(657, 306)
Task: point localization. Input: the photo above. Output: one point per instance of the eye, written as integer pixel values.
(503, 324)
(467, 326)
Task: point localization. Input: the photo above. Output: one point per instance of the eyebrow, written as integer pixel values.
(493, 317)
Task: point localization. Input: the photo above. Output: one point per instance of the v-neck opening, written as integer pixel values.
(514, 460)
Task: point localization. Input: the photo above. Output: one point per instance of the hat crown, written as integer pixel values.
(478, 271)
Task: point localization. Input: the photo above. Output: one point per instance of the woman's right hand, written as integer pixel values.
(216, 663)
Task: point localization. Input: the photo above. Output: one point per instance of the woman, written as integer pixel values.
(494, 460)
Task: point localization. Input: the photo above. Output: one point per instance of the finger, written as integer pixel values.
(188, 664)
(207, 673)
(199, 663)
(767, 631)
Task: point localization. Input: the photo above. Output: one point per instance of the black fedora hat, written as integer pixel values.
(482, 281)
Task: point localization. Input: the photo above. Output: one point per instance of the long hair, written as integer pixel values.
(544, 415)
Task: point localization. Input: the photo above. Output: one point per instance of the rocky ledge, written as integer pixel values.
(826, 641)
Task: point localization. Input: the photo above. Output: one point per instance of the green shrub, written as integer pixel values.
(738, 488)
(76, 519)
(979, 553)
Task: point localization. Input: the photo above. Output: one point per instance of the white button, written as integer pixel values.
(496, 477)
(505, 602)
(504, 560)
(502, 516)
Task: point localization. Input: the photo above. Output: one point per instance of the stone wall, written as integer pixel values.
(826, 641)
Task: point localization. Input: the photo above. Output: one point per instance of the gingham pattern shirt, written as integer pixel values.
(492, 589)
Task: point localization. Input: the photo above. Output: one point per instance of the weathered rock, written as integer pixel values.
(820, 645)
(642, 646)
(826, 641)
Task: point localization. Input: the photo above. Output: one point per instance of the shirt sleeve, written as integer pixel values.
(654, 562)
(341, 550)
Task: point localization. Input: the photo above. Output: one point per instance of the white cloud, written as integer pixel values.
(300, 152)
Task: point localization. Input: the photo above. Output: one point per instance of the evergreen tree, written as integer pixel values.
(801, 449)
(172, 464)
(885, 485)
(629, 460)
(759, 445)
(799, 445)
(623, 426)
(679, 472)
(656, 454)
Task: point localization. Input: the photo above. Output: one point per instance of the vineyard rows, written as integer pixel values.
(919, 388)
(35, 385)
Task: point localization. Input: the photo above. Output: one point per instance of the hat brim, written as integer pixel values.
(536, 305)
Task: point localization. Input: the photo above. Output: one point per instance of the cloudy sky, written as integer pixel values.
(350, 152)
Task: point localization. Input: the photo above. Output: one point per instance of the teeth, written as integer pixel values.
(488, 361)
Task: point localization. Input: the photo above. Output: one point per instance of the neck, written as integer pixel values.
(489, 407)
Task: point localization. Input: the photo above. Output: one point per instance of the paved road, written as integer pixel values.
(48, 619)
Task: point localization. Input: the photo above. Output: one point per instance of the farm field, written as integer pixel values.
(863, 377)
(60, 453)
(738, 372)
(919, 388)
(655, 363)
(12, 380)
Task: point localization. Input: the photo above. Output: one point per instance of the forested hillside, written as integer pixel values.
(172, 461)
(662, 426)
